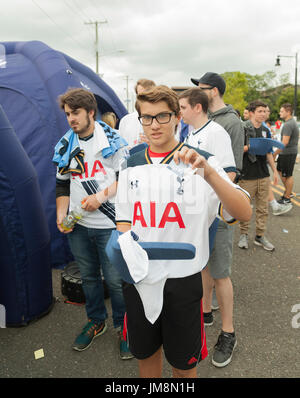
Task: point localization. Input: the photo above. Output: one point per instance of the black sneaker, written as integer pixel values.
(223, 350)
(208, 318)
(284, 200)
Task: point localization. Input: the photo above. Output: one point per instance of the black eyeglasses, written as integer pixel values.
(161, 118)
(206, 88)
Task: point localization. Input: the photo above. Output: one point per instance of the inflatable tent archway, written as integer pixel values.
(25, 268)
(32, 76)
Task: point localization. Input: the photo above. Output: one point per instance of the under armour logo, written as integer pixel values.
(134, 184)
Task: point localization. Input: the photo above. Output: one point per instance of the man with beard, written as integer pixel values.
(89, 181)
(219, 265)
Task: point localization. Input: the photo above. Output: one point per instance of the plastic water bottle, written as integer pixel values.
(72, 218)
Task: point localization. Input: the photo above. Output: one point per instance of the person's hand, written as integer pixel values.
(90, 203)
(275, 177)
(192, 157)
(143, 138)
(59, 220)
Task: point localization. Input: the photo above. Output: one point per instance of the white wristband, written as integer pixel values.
(100, 196)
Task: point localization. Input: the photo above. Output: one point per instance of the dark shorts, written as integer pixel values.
(179, 328)
(285, 164)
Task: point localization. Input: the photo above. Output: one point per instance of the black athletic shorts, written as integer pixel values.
(179, 328)
(286, 163)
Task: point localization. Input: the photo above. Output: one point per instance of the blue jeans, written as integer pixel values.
(88, 248)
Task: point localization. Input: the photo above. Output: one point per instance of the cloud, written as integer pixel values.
(165, 40)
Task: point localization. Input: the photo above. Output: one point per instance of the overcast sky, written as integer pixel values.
(168, 41)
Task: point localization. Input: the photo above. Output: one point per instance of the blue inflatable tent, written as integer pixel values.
(25, 267)
(32, 76)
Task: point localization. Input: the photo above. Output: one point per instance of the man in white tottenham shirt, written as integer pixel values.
(130, 128)
(92, 187)
(207, 135)
(213, 138)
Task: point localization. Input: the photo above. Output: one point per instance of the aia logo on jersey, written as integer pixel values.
(171, 214)
(97, 168)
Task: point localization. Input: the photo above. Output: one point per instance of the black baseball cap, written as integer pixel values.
(213, 80)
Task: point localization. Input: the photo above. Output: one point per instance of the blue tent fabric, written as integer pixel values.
(30, 83)
(25, 267)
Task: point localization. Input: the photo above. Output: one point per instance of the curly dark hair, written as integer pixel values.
(78, 98)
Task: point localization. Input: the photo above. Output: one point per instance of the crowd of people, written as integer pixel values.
(197, 141)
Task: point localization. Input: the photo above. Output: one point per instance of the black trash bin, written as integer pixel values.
(71, 284)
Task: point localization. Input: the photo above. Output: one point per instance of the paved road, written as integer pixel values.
(266, 288)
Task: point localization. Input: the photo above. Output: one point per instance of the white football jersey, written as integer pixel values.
(213, 138)
(99, 174)
(162, 207)
(130, 128)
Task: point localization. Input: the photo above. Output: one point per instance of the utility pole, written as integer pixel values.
(127, 99)
(296, 78)
(127, 92)
(96, 23)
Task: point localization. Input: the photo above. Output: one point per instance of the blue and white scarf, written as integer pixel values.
(68, 148)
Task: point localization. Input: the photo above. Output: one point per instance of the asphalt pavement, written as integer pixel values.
(266, 292)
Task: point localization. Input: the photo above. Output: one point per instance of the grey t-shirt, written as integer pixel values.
(291, 129)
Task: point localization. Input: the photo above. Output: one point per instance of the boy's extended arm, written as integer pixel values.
(234, 201)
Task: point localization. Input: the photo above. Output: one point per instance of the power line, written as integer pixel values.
(52, 20)
(94, 6)
(73, 10)
(96, 23)
(110, 36)
(82, 13)
(81, 10)
(127, 91)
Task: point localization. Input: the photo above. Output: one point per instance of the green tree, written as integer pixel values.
(288, 95)
(236, 90)
(242, 88)
(257, 84)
